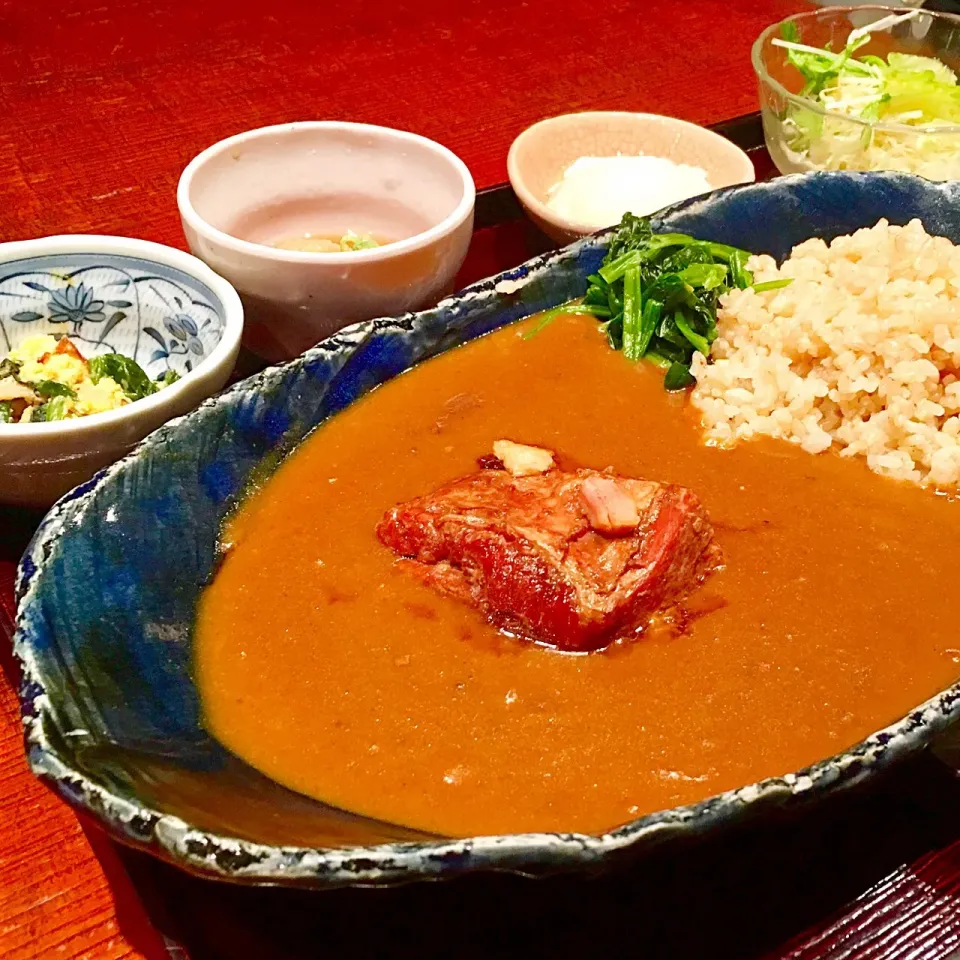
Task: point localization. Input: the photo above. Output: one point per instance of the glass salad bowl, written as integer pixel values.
(843, 89)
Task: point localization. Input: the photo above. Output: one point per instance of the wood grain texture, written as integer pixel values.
(914, 912)
(55, 897)
(104, 102)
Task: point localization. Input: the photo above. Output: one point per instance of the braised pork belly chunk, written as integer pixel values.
(574, 559)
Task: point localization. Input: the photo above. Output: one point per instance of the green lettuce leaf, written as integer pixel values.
(55, 409)
(125, 371)
(911, 63)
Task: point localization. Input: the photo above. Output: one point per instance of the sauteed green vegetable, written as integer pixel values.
(657, 295)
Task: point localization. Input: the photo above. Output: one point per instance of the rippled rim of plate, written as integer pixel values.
(528, 854)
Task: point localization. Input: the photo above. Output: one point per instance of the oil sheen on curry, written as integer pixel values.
(416, 625)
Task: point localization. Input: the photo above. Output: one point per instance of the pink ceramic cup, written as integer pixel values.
(293, 299)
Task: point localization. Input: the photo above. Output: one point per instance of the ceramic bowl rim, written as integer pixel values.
(418, 241)
(541, 210)
(531, 854)
(73, 244)
(764, 78)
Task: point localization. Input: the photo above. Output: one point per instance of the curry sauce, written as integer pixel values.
(329, 669)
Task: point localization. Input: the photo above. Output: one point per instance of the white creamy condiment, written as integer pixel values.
(597, 191)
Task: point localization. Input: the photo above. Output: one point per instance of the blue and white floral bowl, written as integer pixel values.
(164, 308)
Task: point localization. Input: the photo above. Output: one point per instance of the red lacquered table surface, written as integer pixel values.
(103, 103)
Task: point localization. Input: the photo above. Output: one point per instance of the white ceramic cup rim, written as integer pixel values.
(204, 228)
(571, 226)
(146, 250)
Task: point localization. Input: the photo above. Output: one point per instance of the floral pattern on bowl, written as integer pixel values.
(159, 316)
(160, 306)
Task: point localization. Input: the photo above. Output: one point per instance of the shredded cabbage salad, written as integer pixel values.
(918, 94)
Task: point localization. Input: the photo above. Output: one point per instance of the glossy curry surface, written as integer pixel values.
(326, 667)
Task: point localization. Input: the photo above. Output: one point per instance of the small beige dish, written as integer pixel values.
(541, 154)
(325, 178)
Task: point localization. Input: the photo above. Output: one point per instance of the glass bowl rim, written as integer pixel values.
(763, 75)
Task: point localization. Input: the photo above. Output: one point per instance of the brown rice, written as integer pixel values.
(860, 353)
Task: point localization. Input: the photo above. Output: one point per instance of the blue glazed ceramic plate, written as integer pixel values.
(108, 587)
